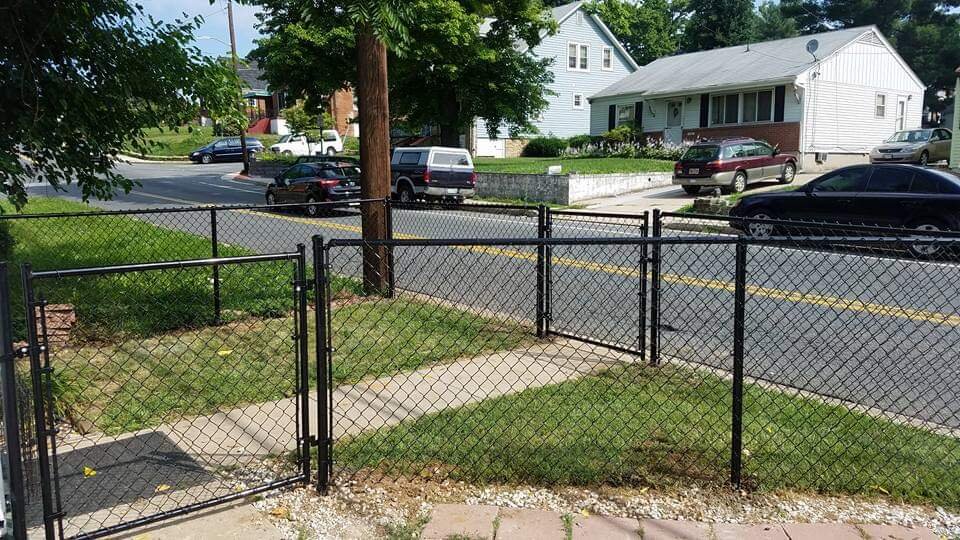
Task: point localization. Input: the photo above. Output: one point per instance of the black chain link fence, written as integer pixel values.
(781, 364)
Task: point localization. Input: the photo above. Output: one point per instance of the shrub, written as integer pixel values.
(622, 134)
(6, 240)
(544, 147)
(578, 142)
(351, 145)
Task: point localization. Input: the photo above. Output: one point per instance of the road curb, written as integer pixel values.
(238, 177)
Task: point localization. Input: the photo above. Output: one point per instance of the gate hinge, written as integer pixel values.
(313, 441)
(303, 285)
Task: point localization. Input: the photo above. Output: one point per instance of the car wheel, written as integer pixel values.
(739, 183)
(312, 209)
(789, 173)
(406, 194)
(759, 230)
(331, 151)
(251, 156)
(271, 199)
(924, 158)
(691, 190)
(206, 159)
(927, 250)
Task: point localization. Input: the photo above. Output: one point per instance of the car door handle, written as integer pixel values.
(844, 201)
(910, 203)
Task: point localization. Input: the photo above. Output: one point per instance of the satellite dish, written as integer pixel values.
(812, 47)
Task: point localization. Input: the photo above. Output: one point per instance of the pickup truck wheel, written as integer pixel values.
(331, 151)
(287, 153)
(691, 190)
(789, 173)
(405, 194)
(206, 159)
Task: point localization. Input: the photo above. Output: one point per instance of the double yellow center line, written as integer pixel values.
(831, 302)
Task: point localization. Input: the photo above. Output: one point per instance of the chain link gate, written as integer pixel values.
(163, 398)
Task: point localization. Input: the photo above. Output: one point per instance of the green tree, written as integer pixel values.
(81, 79)
(773, 24)
(713, 24)
(646, 29)
(300, 121)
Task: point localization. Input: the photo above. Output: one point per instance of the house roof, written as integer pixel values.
(769, 61)
(252, 76)
(560, 14)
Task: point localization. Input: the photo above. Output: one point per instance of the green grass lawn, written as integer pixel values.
(140, 303)
(180, 142)
(142, 382)
(524, 165)
(640, 425)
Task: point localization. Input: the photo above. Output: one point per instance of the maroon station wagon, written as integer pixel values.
(731, 164)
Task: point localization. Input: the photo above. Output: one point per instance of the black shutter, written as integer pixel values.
(704, 110)
(612, 117)
(638, 116)
(778, 96)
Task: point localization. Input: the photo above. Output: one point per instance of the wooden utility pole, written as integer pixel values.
(374, 113)
(243, 111)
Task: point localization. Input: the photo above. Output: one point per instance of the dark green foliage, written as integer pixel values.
(544, 147)
(579, 141)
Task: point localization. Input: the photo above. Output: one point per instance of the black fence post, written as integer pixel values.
(548, 271)
(655, 251)
(303, 360)
(644, 260)
(321, 318)
(391, 285)
(215, 252)
(11, 410)
(541, 282)
(40, 417)
(739, 305)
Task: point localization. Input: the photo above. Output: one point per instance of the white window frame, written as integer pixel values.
(580, 106)
(606, 58)
(632, 116)
(739, 109)
(582, 56)
(880, 105)
(743, 109)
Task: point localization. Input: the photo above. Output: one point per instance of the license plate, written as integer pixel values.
(693, 171)
(887, 156)
(452, 190)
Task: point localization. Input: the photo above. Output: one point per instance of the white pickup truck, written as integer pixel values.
(297, 145)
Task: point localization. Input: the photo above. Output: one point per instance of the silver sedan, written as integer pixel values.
(921, 146)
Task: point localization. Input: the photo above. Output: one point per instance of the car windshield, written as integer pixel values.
(285, 138)
(911, 136)
(701, 153)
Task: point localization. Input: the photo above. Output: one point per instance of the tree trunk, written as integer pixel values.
(450, 120)
(374, 114)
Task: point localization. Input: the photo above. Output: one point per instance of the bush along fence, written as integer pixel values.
(559, 348)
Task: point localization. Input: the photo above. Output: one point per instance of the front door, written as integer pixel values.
(901, 113)
(673, 134)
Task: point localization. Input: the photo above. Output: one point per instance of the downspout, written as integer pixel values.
(803, 122)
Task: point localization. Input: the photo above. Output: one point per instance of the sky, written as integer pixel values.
(215, 22)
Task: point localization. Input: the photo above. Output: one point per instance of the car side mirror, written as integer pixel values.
(776, 149)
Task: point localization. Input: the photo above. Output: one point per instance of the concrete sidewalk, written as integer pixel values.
(489, 522)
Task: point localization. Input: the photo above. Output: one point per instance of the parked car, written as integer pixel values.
(433, 172)
(324, 157)
(315, 182)
(732, 164)
(329, 144)
(227, 149)
(919, 146)
(896, 196)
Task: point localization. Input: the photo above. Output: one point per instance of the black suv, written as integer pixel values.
(315, 182)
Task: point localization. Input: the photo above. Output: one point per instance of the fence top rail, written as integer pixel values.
(188, 209)
(590, 213)
(810, 224)
(787, 241)
(463, 207)
(163, 265)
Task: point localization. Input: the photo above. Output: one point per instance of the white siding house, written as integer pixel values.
(586, 58)
(831, 106)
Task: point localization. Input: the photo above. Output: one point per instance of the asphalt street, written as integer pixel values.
(879, 331)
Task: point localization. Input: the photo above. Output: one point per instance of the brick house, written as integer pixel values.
(829, 97)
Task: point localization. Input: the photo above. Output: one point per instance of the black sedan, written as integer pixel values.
(325, 181)
(893, 196)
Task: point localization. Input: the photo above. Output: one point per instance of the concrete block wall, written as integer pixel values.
(592, 186)
(267, 169)
(566, 188)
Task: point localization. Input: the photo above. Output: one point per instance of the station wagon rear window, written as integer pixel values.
(448, 158)
(700, 153)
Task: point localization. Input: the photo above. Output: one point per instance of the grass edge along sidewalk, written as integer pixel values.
(639, 425)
